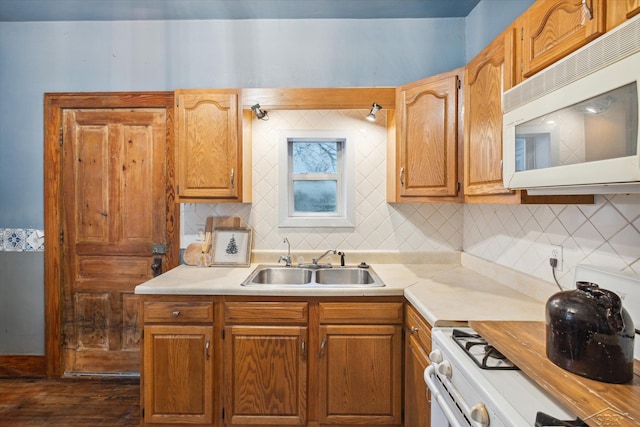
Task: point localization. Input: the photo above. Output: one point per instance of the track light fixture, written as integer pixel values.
(372, 114)
(260, 114)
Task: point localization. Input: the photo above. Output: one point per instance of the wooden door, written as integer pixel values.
(266, 375)
(360, 374)
(483, 122)
(209, 152)
(178, 374)
(555, 28)
(428, 137)
(115, 204)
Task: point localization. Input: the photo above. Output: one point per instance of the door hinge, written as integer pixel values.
(223, 334)
(223, 413)
(143, 413)
(457, 186)
(61, 237)
(521, 33)
(60, 137)
(459, 84)
(177, 102)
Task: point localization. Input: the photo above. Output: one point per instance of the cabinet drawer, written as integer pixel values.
(178, 312)
(365, 313)
(418, 328)
(266, 312)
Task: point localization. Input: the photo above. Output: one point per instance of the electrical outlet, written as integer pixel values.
(556, 252)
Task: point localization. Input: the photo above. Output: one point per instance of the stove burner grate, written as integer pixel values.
(467, 341)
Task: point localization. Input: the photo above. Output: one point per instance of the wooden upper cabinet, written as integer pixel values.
(555, 28)
(633, 8)
(209, 145)
(619, 11)
(427, 138)
(483, 122)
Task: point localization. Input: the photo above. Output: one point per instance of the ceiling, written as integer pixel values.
(126, 10)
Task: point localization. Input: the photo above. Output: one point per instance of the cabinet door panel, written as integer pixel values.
(208, 149)
(178, 374)
(428, 138)
(360, 374)
(417, 404)
(265, 375)
(483, 122)
(556, 28)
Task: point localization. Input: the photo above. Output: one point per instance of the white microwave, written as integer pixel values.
(573, 128)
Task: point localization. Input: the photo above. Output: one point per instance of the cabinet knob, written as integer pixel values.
(176, 313)
(414, 329)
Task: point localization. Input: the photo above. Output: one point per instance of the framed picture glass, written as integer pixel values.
(231, 246)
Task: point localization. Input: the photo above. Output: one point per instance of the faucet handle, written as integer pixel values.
(286, 259)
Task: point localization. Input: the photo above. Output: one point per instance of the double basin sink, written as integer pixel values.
(342, 277)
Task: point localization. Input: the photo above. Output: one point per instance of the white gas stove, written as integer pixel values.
(472, 384)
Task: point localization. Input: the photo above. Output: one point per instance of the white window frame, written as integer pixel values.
(345, 204)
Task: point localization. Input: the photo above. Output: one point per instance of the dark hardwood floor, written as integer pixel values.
(69, 402)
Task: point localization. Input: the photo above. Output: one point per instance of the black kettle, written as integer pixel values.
(590, 334)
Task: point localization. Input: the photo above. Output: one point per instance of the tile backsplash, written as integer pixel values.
(606, 233)
(379, 225)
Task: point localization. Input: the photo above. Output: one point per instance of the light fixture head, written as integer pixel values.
(260, 114)
(372, 114)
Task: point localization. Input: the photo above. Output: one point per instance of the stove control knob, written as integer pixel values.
(480, 414)
(435, 356)
(444, 369)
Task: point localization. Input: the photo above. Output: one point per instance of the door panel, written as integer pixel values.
(114, 181)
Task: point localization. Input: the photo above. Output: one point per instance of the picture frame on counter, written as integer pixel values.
(231, 246)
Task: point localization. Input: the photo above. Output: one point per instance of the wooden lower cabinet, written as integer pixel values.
(248, 361)
(417, 406)
(360, 374)
(360, 357)
(265, 375)
(178, 374)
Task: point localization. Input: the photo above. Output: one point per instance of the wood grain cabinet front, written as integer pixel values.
(555, 28)
(360, 373)
(178, 374)
(265, 369)
(208, 137)
(427, 136)
(417, 346)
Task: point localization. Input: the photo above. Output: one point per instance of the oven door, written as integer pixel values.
(444, 411)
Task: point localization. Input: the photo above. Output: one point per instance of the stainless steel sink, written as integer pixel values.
(338, 277)
(281, 276)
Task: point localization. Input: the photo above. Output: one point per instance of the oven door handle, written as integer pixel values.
(429, 373)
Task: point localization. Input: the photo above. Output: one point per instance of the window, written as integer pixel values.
(316, 179)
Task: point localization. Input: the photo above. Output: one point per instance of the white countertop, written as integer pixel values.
(444, 293)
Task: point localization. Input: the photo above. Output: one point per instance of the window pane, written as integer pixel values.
(314, 196)
(315, 157)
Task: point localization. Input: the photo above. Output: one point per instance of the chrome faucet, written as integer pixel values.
(314, 261)
(286, 258)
